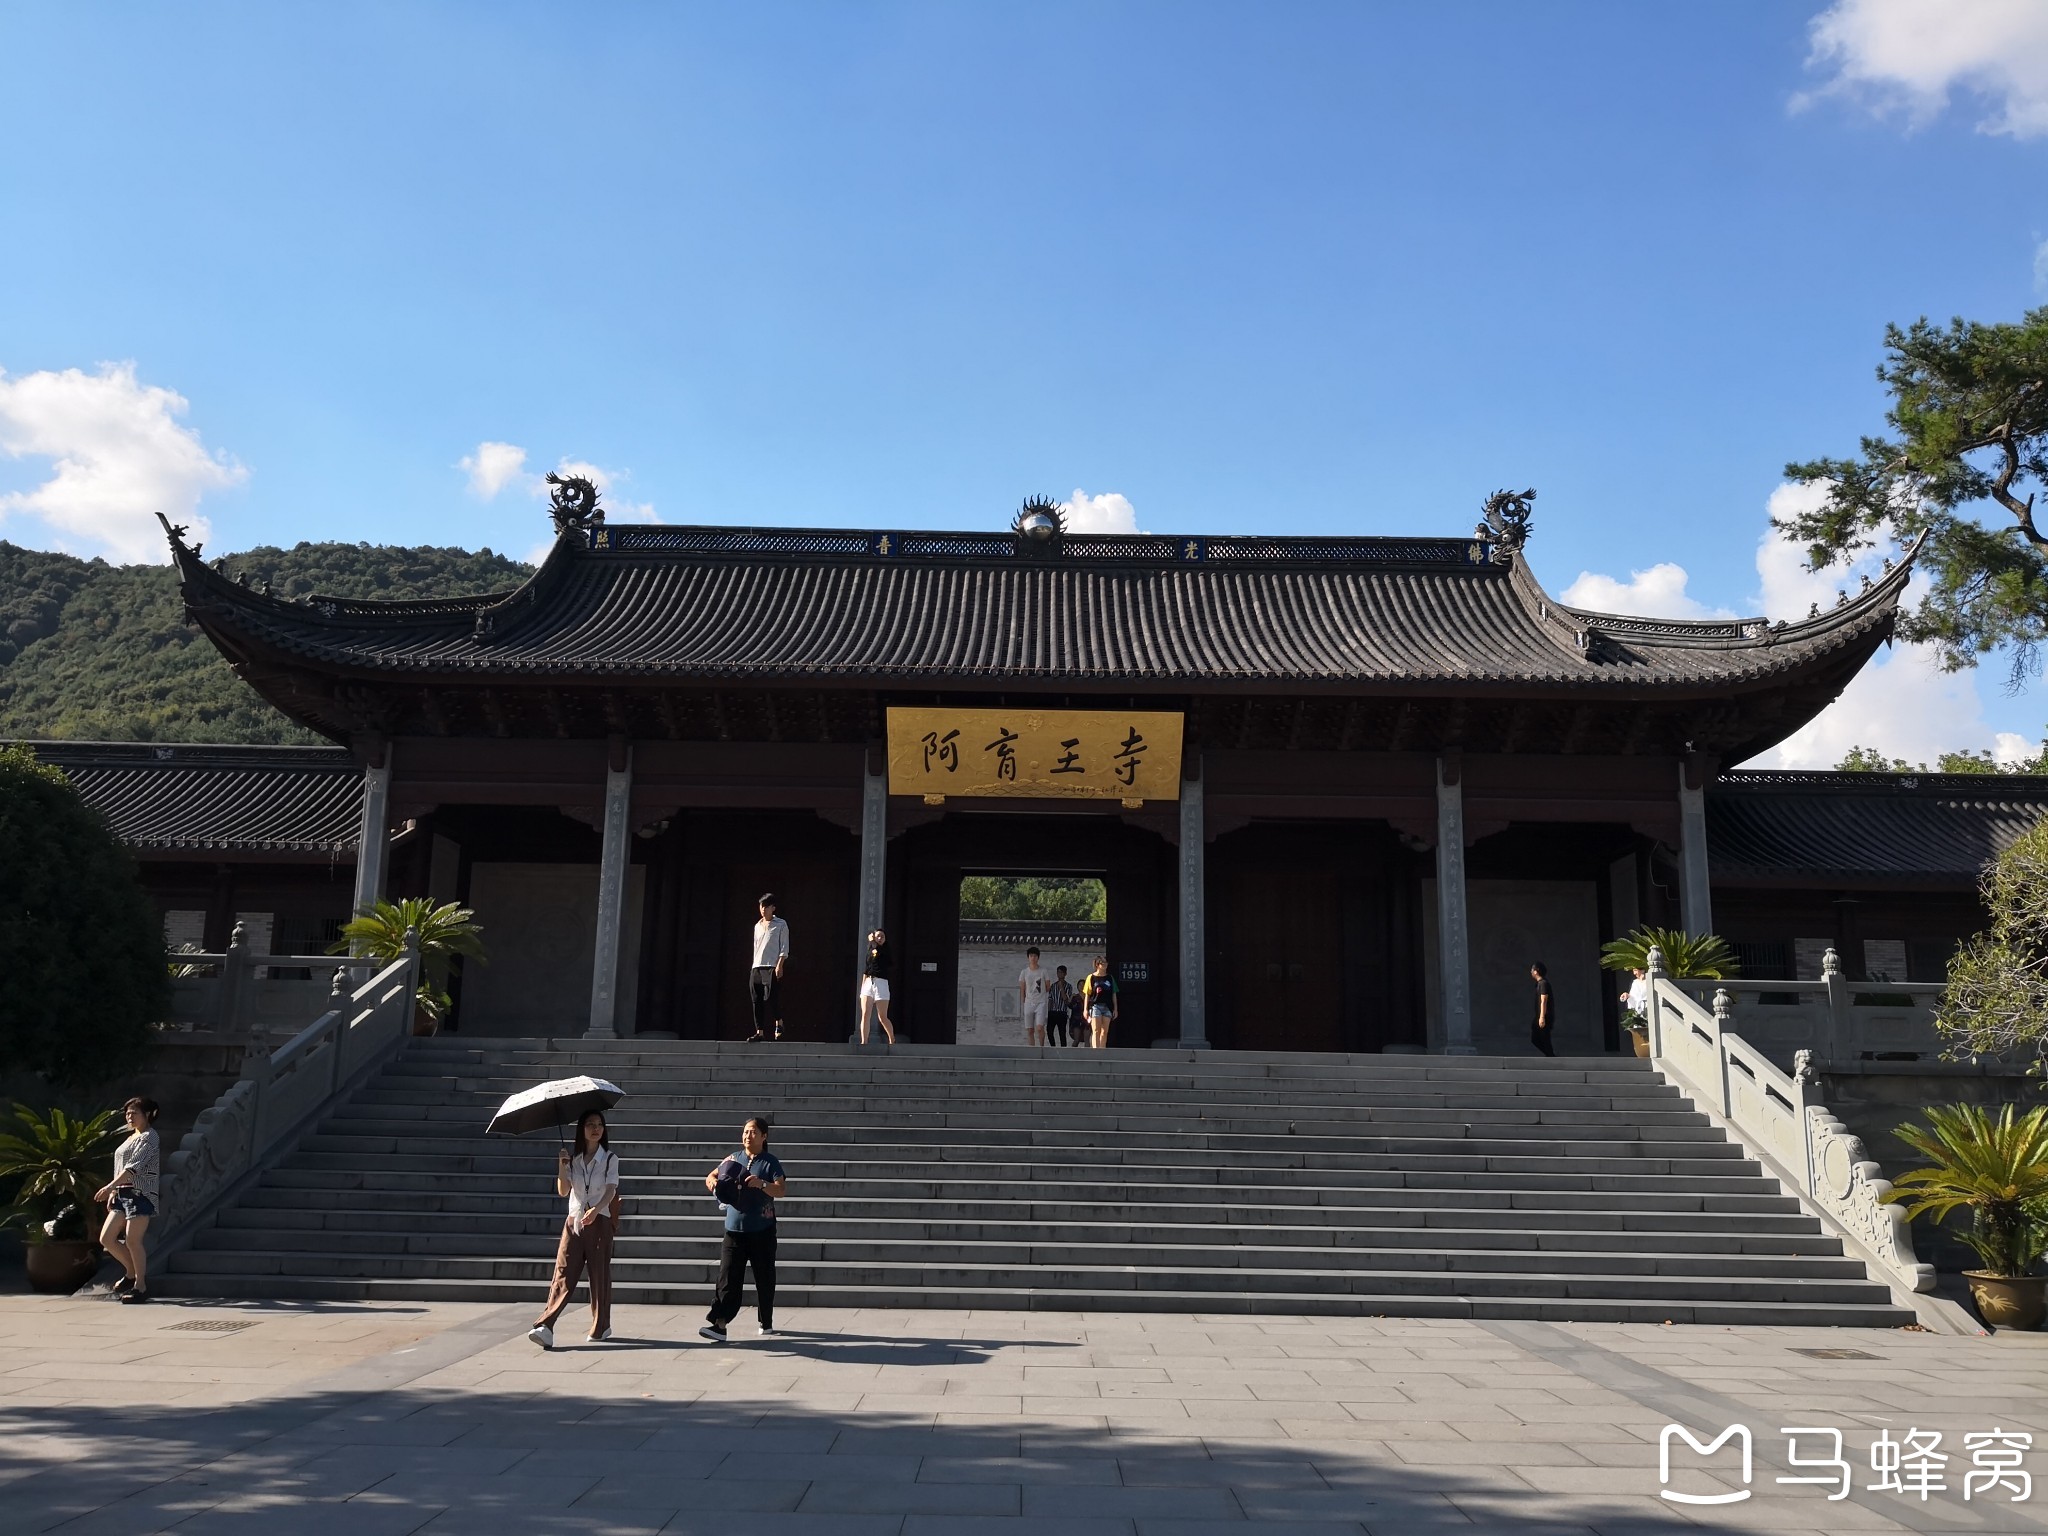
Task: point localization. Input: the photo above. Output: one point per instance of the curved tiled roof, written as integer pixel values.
(218, 799)
(1867, 826)
(791, 605)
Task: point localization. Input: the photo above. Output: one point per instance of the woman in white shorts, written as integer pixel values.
(874, 987)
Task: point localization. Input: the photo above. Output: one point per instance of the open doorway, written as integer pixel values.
(1002, 916)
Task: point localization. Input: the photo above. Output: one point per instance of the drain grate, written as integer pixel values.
(1838, 1354)
(208, 1325)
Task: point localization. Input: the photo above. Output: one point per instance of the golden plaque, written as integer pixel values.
(1057, 754)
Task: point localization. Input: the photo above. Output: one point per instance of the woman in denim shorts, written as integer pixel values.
(131, 1199)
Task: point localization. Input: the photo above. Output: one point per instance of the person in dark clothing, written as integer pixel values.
(874, 988)
(1059, 999)
(1546, 1010)
(747, 1185)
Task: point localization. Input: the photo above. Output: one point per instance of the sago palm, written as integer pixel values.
(445, 931)
(1700, 956)
(1996, 1169)
(53, 1161)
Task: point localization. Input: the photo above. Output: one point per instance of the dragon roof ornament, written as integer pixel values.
(1505, 523)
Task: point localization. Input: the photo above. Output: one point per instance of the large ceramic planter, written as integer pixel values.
(2009, 1301)
(59, 1268)
(1642, 1044)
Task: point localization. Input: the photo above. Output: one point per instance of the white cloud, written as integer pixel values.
(616, 508)
(1907, 56)
(117, 455)
(1657, 593)
(2011, 747)
(1107, 513)
(1901, 703)
(493, 467)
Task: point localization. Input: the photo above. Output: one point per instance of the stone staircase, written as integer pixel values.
(1402, 1186)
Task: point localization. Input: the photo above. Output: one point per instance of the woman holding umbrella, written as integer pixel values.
(590, 1181)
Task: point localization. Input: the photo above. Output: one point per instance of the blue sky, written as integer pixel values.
(1300, 268)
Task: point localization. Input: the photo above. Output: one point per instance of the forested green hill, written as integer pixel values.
(98, 652)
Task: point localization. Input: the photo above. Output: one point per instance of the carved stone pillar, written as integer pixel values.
(1194, 1023)
(1695, 890)
(874, 871)
(1454, 955)
(617, 854)
(374, 842)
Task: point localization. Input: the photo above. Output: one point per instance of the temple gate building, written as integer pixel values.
(1340, 791)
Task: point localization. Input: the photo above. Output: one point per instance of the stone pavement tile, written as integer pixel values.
(737, 1495)
(816, 1440)
(929, 1442)
(1367, 1411)
(861, 1498)
(153, 1509)
(691, 1522)
(1063, 1426)
(1205, 1503)
(1348, 1504)
(1295, 1471)
(610, 1521)
(1029, 1525)
(366, 1516)
(750, 1464)
(386, 1460)
(1056, 1471)
(1468, 1453)
(1581, 1432)
(1179, 1527)
(514, 1489)
(681, 1465)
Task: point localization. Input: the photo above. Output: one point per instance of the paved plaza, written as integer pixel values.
(391, 1418)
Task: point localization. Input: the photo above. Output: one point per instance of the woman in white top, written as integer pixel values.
(590, 1180)
(130, 1198)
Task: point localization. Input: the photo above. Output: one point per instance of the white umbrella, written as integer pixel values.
(561, 1102)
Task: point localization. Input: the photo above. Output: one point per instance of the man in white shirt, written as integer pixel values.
(764, 980)
(1034, 993)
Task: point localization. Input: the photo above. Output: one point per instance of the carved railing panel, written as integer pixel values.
(1770, 1113)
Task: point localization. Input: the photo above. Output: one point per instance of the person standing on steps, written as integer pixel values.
(130, 1198)
(1098, 998)
(764, 980)
(590, 1181)
(874, 988)
(1059, 1002)
(1546, 1005)
(747, 1184)
(1032, 983)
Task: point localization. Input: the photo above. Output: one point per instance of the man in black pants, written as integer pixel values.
(764, 979)
(1545, 1022)
(747, 1185)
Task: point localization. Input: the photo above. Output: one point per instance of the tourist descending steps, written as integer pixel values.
(1032, 984)
(874, 988)
(590, 1179)
(1098, 996)
(764, 980)
(1059, 1003)
(747, 1185)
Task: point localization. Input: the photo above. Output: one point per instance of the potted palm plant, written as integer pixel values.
(1997, 1170)
(445, 931)
(56, 1163)
(1687, 956)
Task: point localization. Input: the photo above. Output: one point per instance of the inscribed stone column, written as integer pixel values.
(1194, 1029)
(374, 840)
(874, 869)
(1695, 891)
(611, 890)
(1454, 962)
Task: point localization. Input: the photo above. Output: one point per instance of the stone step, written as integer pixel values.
(789, 1297)
(1060, 1253)
(1558, 1232)
(911, 1272)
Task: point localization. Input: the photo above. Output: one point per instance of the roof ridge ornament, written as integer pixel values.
(573, 503)
(1039, 525)
(1505, 523)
